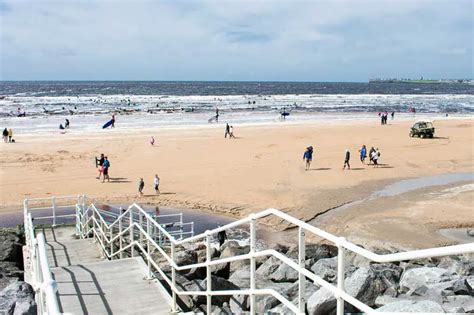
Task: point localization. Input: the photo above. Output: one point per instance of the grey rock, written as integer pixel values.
(382, 300)
(412, 307)
(462, 287)
(326, 268)
(284, 273)
(241, 277)
(314, 252)
(217, 283)
(233, 249)
(364, 285)
(268, 267)
(186, 257)
(459, 265)
(9, 272)
(321, 302)
(459, 304)
(10, 246)
(418, 278)
(18, 298)
(310, 288)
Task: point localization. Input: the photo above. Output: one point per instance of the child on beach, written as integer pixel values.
(156, 183)
(141, 185)
(105, 170)
(231, 133)
(363, 154)
(308, 157)
(346, 159)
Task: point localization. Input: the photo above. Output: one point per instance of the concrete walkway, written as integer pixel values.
(88, 284)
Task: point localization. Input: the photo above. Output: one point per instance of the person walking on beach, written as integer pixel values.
(227, 130)
(105, 168)
(156, 183)
(375, 157)
(370, 154)
(10, 135)
(363, 154)
(141, 185)
(347, 159)
(393, 115)
(99, 163)
(66, 125)
(152, 141)
(113, 120)
(231, 133)
(308, 157)
(5, 135)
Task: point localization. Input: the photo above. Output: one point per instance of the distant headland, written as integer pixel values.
(423, 81)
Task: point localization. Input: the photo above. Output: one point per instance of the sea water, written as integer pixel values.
(137, 105)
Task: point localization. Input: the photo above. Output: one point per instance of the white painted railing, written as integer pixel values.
(131, 235)
(134, 231)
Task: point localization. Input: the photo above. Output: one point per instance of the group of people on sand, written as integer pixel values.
(384, 116)
(7, 135)
(103, 165)
(373, 155)
(156, 185)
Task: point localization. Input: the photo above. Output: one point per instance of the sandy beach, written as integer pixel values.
(261, 168)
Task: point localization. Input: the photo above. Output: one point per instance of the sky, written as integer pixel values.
(338, 40)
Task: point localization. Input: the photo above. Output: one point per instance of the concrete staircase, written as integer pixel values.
(89, 284)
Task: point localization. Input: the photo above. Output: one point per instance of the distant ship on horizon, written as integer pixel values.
(422, 81)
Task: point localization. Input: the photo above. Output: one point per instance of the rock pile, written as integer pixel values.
(435, 285)
(16, 296)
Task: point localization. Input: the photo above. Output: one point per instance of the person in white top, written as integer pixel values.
(375, 157)
(156, 182)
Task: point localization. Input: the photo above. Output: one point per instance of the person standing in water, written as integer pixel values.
(217, 114)
(227, 130)
(363, 154)
(347, 159)
(66, 125)
(113, 120)
(156, 183)
(141, 185)
(308, 157)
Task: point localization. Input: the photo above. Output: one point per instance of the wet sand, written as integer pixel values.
(262, 168)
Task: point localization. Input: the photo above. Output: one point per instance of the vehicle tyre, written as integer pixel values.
(431, 135)
(422, 136)
(412, 134)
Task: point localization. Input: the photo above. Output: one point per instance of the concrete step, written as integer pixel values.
(110, 287)
(64, 249)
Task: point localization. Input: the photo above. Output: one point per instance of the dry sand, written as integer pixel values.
(261, 168)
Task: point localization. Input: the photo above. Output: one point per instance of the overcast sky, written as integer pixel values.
(235, 40)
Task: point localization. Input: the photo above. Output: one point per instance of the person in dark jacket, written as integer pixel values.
(5, 135)
(347, 159)
(308, 157)
(221, 237)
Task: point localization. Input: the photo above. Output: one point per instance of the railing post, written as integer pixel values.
(181, 226)
(140, 222)
(148, 247)
(208, 273)
(120, 237)
(111, 234)
(132, 249)
(53, 202)
(173, 279)
(252, 264)
(192, 229)
(302, 265)
(340, 275)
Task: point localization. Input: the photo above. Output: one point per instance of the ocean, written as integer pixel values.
(88, 105)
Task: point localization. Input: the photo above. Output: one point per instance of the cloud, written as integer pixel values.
(235, 40)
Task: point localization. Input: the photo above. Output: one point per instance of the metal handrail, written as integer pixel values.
(341, 243)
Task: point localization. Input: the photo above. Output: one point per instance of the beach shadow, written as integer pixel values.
(320, 169)
(357, 169)
(439, 138)
(119, 180)
(384, 166)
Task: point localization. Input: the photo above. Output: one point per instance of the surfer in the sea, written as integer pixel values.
(217, 114)
(113, 120)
